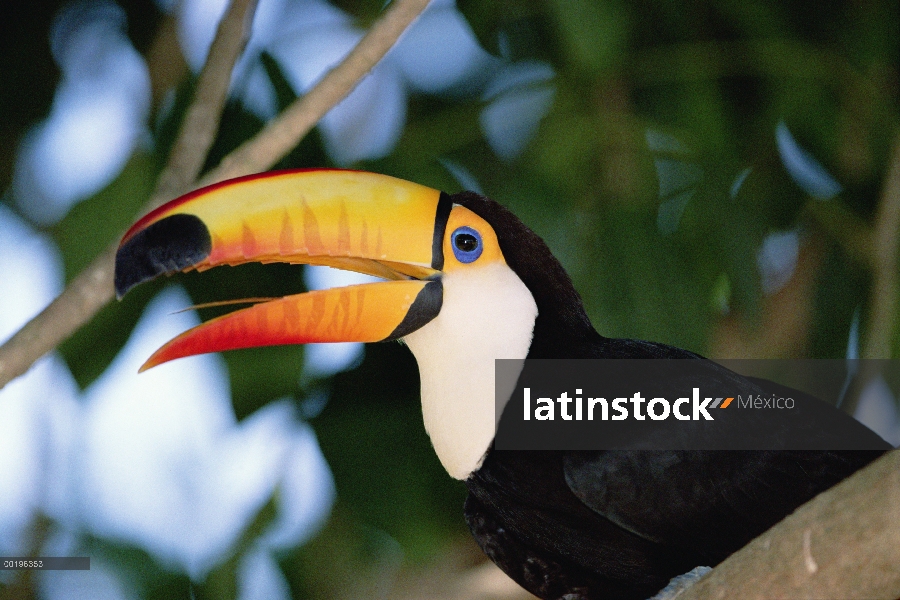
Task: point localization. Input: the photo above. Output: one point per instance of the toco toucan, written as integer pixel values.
(467, 283)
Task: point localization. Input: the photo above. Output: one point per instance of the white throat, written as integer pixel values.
(487, 313)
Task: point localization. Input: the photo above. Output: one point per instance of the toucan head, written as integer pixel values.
(464, 280)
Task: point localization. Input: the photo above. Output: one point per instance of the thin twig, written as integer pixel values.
(201, 121)
(885, 293)
(283, 133)
(93, 288)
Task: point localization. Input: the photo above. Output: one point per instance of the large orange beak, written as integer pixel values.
(346, 219)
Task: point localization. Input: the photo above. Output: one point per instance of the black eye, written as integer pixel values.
(466, 244)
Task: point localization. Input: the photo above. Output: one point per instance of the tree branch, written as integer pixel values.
(885, 293)
(201, 121)
(845, 543)
(93, 287)
(283, 133)
(884, 296)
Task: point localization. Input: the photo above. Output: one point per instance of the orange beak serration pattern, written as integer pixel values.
(353, 220)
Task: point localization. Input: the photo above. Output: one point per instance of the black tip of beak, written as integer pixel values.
(169, 245)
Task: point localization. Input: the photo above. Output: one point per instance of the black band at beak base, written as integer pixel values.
(445, 205)
(424, 308)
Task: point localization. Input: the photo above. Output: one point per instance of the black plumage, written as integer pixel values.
(620, 524)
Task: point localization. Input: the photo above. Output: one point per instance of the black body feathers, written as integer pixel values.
(621, 524)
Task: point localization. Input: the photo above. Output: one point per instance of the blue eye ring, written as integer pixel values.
(466, 244)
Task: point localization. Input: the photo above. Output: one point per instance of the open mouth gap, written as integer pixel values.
(219, 303)
(383, 269)
(282, 277)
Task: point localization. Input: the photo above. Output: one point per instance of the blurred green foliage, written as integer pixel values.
(710, 78)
